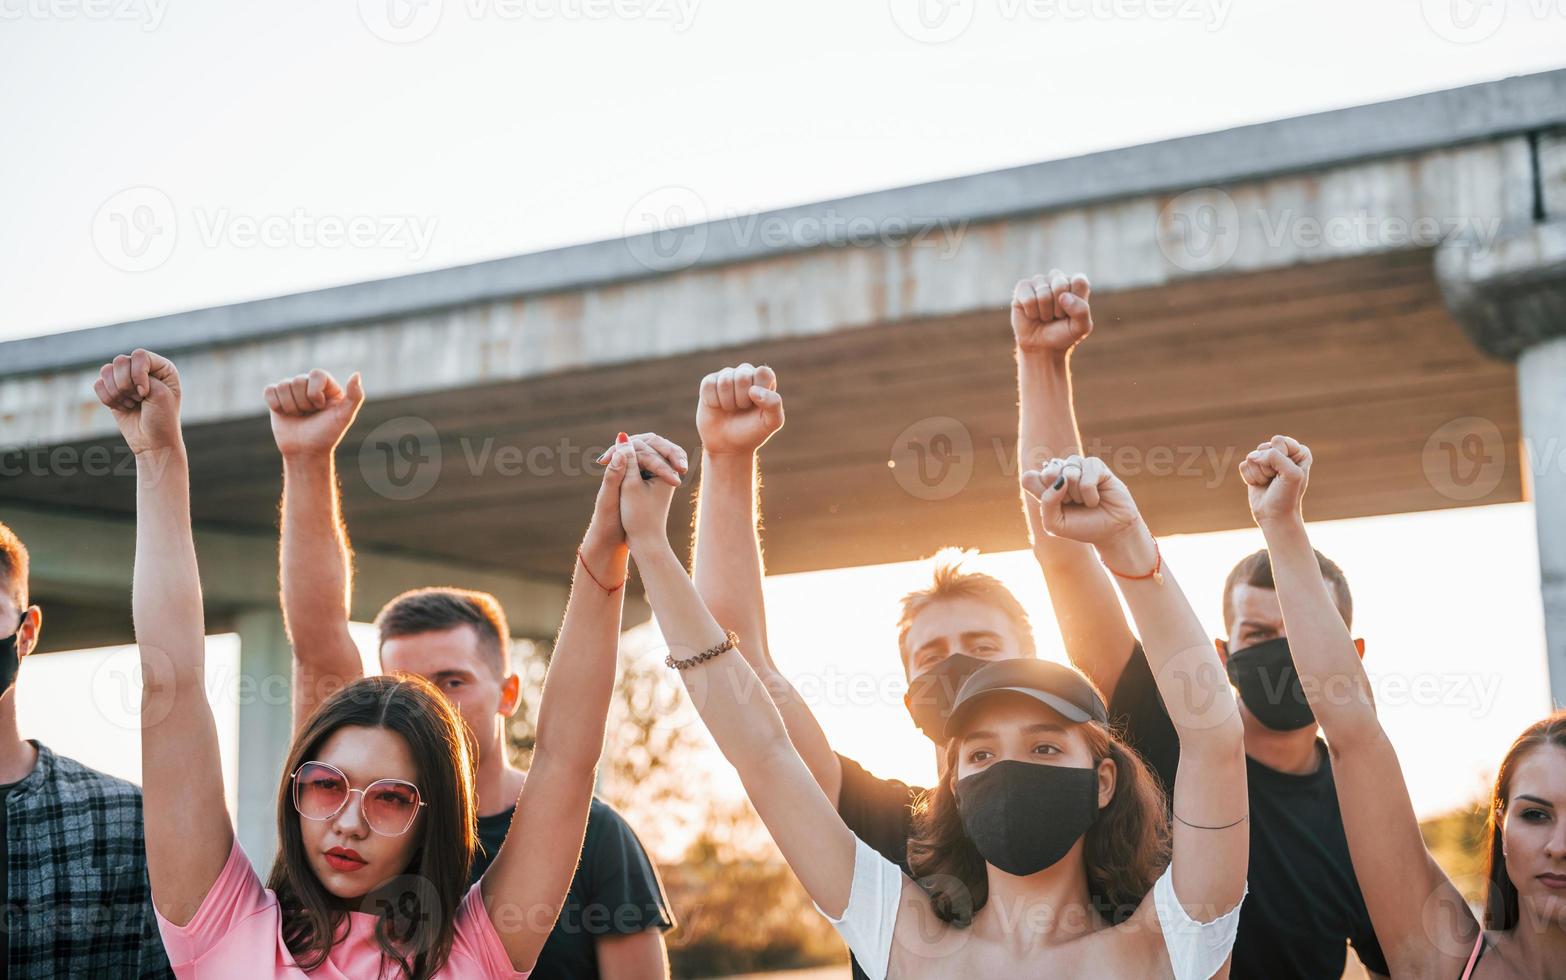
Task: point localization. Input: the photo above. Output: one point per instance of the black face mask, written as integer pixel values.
(1023, 816)
(10, 657)
(930, 695)
(1269, 685)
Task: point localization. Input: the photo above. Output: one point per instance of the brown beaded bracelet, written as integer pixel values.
(730, 641)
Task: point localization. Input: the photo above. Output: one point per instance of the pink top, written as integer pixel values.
(237, 932)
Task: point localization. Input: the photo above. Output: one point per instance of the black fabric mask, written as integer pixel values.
(930, 695)
(10, 657)
(1024, 816)
(1269, 685)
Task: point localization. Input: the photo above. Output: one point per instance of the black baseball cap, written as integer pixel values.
(1056, 685)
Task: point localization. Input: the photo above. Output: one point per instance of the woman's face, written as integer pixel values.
(349, 858)
(1533, 835)
(1007, 725)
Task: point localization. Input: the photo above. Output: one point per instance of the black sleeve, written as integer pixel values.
(626, 893)
(878, 811)
(1137, 710)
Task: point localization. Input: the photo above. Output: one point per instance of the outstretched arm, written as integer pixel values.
(1402, 884)
(310, 415)
(738, 411)
(739, 714)
(188, 833)
(525, 887)
(1210, 805)
(1050, 316)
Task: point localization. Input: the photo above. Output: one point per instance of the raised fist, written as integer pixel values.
(1275, 474)
(141, 389)
(311, 412)
(1050, 314)
(1081, 500)
(739, 409)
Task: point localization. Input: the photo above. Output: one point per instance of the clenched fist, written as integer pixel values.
(142, 391)
(1276, 474)
(739, 409)
(311, 412)
(1050, 314)
(1080, 499)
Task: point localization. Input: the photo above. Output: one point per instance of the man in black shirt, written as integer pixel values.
(964, 620)
(615, 914)
(1304, 902)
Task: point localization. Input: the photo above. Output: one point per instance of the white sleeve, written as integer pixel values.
(1196, 950)
(871, 915)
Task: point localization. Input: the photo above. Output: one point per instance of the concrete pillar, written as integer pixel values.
(265, 718)
(1510, 296)
(1541, 385)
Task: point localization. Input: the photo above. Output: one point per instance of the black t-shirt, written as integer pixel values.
(880, 813)
(1304, 900)
(616, 891)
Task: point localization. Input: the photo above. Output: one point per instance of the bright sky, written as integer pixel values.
(471, 129)
(507, 126)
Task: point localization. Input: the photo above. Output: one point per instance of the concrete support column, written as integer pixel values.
(265, 719)
(1541, 385)
(1511, 299)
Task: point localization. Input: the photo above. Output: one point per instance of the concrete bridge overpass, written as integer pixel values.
(1387, 282)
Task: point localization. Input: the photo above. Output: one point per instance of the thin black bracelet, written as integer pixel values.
(1197, 826)
(730, 641)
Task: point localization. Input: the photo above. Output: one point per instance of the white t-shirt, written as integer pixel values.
(1196, 950)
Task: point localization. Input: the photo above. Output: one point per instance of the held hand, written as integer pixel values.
(644, 501)
(1081, 500)
(1050, 314)
(1276, 474)
(311, 412)
(142, 391)
(657, 457)
(738, 410)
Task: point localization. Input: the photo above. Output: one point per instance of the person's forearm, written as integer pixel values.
(1329, 667)
(1190, 679)
(1092, 624)
(316, 572)
(580, 683)
(728, 572)
(166, 597)
(725, 691)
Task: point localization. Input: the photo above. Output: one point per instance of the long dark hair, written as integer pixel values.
(1125, 850)
(1500, 907)
(417, 913)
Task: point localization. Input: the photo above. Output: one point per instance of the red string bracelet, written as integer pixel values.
(590, 575)
(1157, 574)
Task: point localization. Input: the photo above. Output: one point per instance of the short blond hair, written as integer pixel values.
(951, 580)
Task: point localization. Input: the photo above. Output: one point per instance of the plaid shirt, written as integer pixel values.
(79, 904)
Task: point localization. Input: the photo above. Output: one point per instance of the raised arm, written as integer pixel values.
(1050, 315)
(310, 414)
(188, 833)
(738, 411)
(525, 887)
(738, 712)
(1211, 833)
(1421, 920)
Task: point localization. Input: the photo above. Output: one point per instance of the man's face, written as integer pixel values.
(455, 661)
(960, 625)
(1258, 617)
(11, 615)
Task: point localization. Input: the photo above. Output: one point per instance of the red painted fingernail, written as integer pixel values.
(622, 437)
